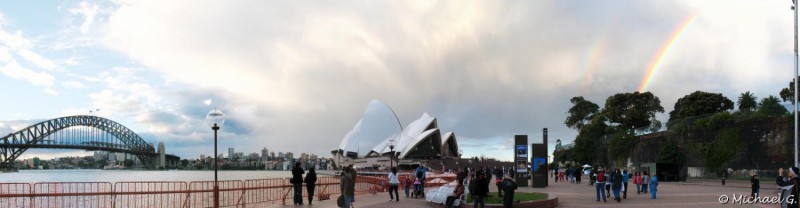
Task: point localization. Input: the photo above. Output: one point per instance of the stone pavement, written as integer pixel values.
(694, 193)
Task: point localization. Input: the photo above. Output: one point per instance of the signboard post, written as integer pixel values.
(521, 160)
(539, 162)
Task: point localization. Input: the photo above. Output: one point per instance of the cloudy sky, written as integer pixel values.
(297, 75)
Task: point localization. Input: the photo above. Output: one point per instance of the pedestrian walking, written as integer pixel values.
(311, 180)
(645, 181)
(297, 181)
(393, 183)
(407, 185)
(653, 186)
(625, 178)
(499, 175)
(601, 183)
(609, 181)
(616, 184)
(637, 179)
(789, 186)
(592, 176)
(345, 184)
(754, 185)
(724, 176)
(578, 177)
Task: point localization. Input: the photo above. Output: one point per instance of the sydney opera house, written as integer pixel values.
(369, 142)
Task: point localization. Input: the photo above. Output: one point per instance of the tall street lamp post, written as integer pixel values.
(391, 157)
(215, 119)
(794, 7)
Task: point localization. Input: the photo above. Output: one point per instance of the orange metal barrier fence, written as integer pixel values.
(178, 194)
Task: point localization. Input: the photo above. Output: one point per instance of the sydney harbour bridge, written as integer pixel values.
(83, 132)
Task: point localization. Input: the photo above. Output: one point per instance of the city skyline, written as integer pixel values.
(296, 76)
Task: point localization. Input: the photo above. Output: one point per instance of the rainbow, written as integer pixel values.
(594, 55)
(662, 54)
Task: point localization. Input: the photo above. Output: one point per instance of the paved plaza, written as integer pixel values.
(694, 193)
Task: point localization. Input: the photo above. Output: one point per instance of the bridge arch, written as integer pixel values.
(103, 134)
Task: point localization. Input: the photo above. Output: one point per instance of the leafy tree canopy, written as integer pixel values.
(700, 103)
(670, 154)
(747, 102)
(772, 106)
(632, 110)
(787, 94)
(581, 113)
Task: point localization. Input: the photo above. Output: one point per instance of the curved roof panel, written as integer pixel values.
(414, 129)
(429, 134)
(376, 125)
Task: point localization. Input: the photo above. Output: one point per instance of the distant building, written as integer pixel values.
(162, 160)
(231, 153)
(418, 141)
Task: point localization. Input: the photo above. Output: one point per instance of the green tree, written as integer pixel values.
(722, 150)
(632, 110)
(699, 103)
(771, 106)
(588, 143)
(671, 154)
(581, 113)
(747, 102)
(621, 144)
(787, 94)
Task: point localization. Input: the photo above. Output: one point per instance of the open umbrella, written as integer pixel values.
(587, 166)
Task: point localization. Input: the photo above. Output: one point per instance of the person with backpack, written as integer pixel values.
(508, 186)
(499, 175)
(311, 180)
(601, 183)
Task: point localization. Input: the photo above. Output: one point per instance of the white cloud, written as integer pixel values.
(14, 70)
(73, 84)
(37, 60)
(492, 68)
(89, 12)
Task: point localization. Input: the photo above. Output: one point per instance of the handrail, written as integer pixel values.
(235, 193)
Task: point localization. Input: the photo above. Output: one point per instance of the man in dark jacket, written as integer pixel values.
(508, 186)
(297, 181)
(616, 184)
(482, 189)
(789, 186)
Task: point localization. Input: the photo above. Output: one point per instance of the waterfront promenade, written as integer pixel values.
(694, 193)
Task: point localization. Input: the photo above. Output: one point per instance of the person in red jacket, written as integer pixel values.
(600, 184)
(637, 179)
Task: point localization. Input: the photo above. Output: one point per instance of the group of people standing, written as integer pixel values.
(479, 186)
(617, 181)
(571, 174)
(297, 183)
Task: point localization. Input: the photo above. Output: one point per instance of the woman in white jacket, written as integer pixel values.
(393, 183)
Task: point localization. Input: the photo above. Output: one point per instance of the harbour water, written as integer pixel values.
(35, 176)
